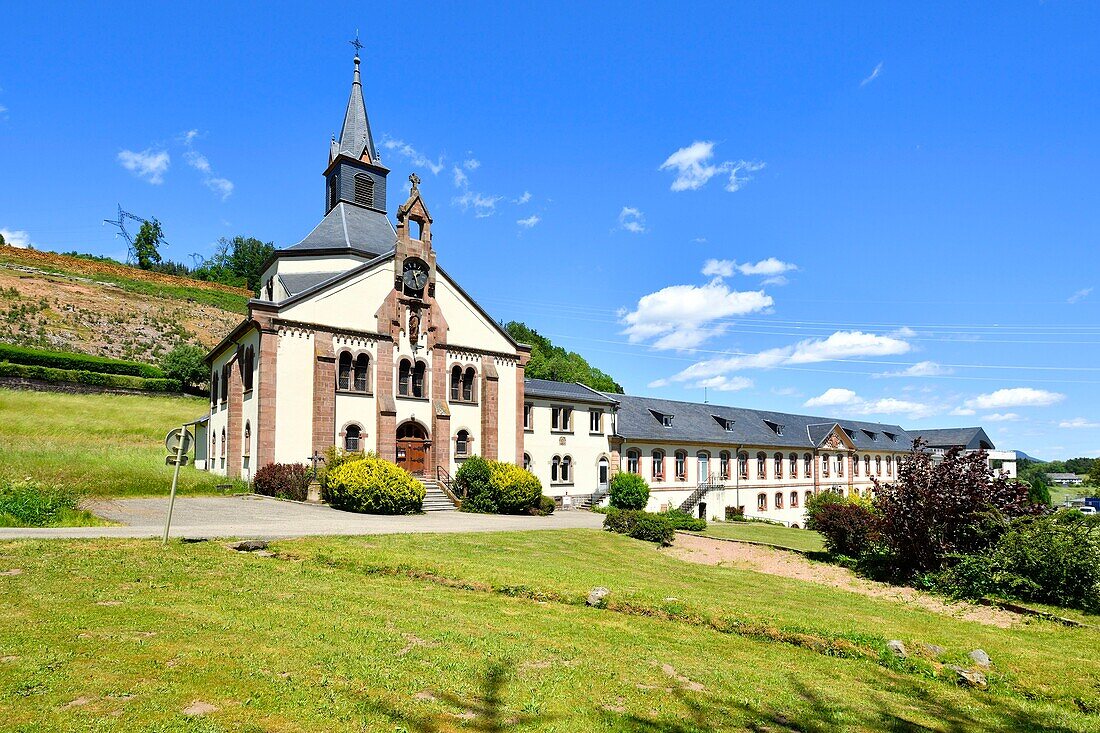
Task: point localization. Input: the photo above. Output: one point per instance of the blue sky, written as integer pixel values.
(878, 212)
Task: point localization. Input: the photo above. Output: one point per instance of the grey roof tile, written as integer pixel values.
(947, 437)
(549, 389)
(297, 282)
(353, 227)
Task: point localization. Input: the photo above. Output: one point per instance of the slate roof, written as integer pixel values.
(696, 423)
(298, 282)
(351, 227)
(1064, 477)
(569, 391)
(970, 438)
(355, 135)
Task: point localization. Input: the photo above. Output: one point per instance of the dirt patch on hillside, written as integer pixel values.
(792, 565)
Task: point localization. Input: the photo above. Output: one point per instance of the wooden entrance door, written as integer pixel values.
(412, 448)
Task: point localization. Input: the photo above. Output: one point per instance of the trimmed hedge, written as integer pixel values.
(640, 525)
(95, 379)
(495, 487)
(628, 491)
(683, 520)
(83, 362)
(282, 480)
(371, 485)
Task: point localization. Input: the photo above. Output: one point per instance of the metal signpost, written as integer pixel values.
(178, 443)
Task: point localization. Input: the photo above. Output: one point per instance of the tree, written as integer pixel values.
(2, 240)
(940, 509)
(237, 261)
(628, 491)
(1035, 476)
(1094, 474)
(147, 244)
(186, 363)
(555, 363)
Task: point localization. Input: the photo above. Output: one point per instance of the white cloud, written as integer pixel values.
(725, 384)
(460, 178)
(529, 221)
(657, 384)
(680, 316)
(16, 237)
(962, 411)
(839, 345)
(786, 392)
(1000, 417)
(522, 199)
(482, 204)
(3, 112)
(831, 397)
(149, 164)
(920, 369)
(632, 220)
(874, 75)
(854, 404)
(221, 186)
(189, 136)
(197, 161)
(1078, 423)
(1079, 295)
(1015, 397)
(772, 267)
(693, 168)
(777, 280)
(718, 268)
(416, 158)
(471, 164)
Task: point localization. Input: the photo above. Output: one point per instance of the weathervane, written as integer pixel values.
(356, 43)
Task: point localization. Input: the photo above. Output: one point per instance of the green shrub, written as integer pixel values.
(31, 504)
(546, 506)
(640, 525)
(71, 361)
(282, 480)
(372, 485)
(187, 365)
(848, 526)
(628, 491)
(96, 379)
(683, 520)
(494, 487)
(334, 458)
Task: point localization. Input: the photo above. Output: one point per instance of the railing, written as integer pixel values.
(446, 483)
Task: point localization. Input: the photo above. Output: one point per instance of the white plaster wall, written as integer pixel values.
(467, 326)
(585, 448)
(294, 396)
(361, 409)
(351, 304)
(249, 411)
(219, 421)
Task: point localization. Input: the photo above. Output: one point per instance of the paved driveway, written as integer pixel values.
(265, 518)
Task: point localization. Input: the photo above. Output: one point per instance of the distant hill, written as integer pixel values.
(1021, 456)
(103, 308)
(554, 362)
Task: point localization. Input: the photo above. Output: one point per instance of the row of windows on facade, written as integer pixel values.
(219, 378)
(363, 190)
(561, 468)
(561, 419)
(762, 499)
(216, 455)
(634, 457)
(353, 375)
(353, 437)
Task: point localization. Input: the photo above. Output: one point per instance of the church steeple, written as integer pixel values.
(355, 136)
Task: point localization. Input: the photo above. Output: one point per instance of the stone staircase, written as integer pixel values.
(435, 499)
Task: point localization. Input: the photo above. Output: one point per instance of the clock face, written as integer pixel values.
(415, 276)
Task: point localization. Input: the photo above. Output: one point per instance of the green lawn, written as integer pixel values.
(99, 445)
(490, 632)
(773, 534)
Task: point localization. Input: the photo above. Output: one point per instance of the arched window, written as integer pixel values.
(456, 383)
(807, 465)
(364, 189)
(352, 435)
(794, 500)
(468, 384)
(249, 368)
(878, 465)
(404, 377)
(778, 460)
(332, 191)
(779, 500)
(555, 465)
(824, 464)
(214, 386)
(566, 470)
(839, 464)
(889, 466)
(867, 466)
(793, 461)
(526, 462)
(247, 438)
(855, 465)
(213, 451)
(809, 495)
(269, 288)
(226, 371)
(462, 443)
(743, 465)
(762, 502)
(362, 373)
(223, 444)
(681, 465)
(418, 379)
(724, 465)
(633, 459)
(343, 371)
(761, 465)
(658, 465)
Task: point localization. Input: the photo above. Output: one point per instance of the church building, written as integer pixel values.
(360, 339)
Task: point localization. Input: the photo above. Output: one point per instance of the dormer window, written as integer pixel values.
(872, 435)
(666, 420)
(850, 433)
(893, 438)
(776, 427)
(364, 189)
(726, 423)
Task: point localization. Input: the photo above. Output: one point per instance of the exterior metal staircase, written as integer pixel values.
(700, 491)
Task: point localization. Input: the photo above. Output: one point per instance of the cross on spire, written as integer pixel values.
(356, 43)
(415, 180)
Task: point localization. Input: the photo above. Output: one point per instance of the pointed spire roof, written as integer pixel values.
(355, 136)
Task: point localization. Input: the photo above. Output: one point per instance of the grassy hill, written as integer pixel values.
(86, 306)
(98, 445)
(490, 632)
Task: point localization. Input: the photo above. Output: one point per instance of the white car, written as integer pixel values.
(1086, 509)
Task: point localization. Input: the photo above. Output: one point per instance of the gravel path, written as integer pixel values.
(265, 518)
